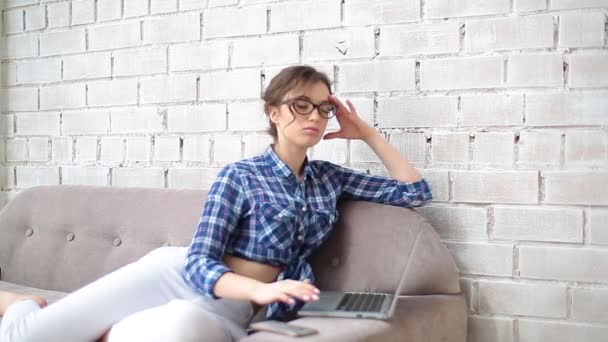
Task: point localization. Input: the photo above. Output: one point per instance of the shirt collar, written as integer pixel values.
(279, 168)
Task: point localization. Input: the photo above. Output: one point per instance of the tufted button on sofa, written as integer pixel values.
(55, 239)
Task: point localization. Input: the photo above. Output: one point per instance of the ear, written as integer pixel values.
(273, 113)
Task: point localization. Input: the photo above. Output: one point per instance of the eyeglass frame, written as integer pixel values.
(291, 101)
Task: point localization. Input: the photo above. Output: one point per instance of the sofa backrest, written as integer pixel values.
(63, 237)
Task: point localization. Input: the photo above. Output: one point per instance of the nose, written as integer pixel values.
(315, 115)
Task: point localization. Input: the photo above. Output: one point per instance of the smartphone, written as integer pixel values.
(283, 328)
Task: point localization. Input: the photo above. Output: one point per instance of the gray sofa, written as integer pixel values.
(55, 239)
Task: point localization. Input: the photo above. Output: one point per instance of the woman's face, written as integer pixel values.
(296, 129)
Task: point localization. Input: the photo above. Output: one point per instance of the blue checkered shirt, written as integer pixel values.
(256, 209)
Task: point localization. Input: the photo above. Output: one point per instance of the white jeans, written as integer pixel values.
(144, 301)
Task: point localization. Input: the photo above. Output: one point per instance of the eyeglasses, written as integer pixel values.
(304, 106)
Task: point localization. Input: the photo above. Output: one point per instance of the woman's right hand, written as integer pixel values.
(284, 291)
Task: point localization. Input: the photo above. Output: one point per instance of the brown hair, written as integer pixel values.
(288, 79)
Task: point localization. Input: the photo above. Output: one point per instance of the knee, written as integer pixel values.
(187, 322)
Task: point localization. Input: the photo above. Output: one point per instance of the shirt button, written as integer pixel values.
(303, 208)
(300, 237)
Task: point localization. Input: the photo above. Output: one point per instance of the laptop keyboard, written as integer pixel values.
(368, 302)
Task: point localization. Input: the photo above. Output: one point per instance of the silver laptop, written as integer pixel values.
(355, 304)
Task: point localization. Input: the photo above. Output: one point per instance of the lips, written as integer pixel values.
(311, 130)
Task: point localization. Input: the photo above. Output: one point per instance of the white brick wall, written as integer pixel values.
(502, 105)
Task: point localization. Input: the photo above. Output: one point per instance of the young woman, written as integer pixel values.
(262, 219)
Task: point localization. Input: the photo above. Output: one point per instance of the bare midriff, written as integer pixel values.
(252, 269)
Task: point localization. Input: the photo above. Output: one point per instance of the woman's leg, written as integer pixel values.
(88, 313)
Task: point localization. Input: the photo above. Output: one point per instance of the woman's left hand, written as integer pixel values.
(351, 125)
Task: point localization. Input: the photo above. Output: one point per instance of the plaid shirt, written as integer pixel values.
(256, 209)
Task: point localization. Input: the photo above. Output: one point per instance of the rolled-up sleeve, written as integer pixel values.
(385, 190)
(221, 213)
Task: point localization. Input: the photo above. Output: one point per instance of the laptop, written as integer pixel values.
(355, 304)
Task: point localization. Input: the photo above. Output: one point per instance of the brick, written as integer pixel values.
(112, 149)
(575, 264)
(35, 18)
(211, 55)
(174, 88)
(360, 152)
(465, 8)
(109, 9)
(483, 329)
(226, 148)
(7, 125)
(85, 122)
(587, 304)
(419, 39)
(535, 70)
(539, 147)
(16, 3)
(140, 61)
(63, 96)
(338, 44)
(22, 46)
(16, 150)
(262, 50)
(37, 123)
(18, 99)
(567, 109)
(586, 146)
(333, 150)
(377, 76)
(136, 8)
(240, 84)
(166, 148)
(58, 14)
(496, 148)
(92, 176)
(489, 186)
(91, 65)
(83, 12)
(171, 29)
(86, 149)
(196, 148)
(200, 118)
(136, 120)
(450, 148)
(39, 71)
(530, 330)
(114, 92)
(522, 6)
(138, 177)
(62, 42)
(482, 258)
(114, 36)
(230, 22)
(163, 6)
(538, 224)
(529, 32)
(13, 21)
(28, 177)
(540, 300)
(256, 144)
(457, 223)
(598, 226)
(38, 149)
(187, 5)
(428, 111)
(461, 73)
(8, 74)
(8, 178)
(410, 145)
(363, 12)
(561, 189)
(138, 149)
(192, 178)
(247, 116)
(439, 183)
(588, 70)
(581, 29)
(306, 15)
(61, 149)
(571, 4)
(492, 110)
